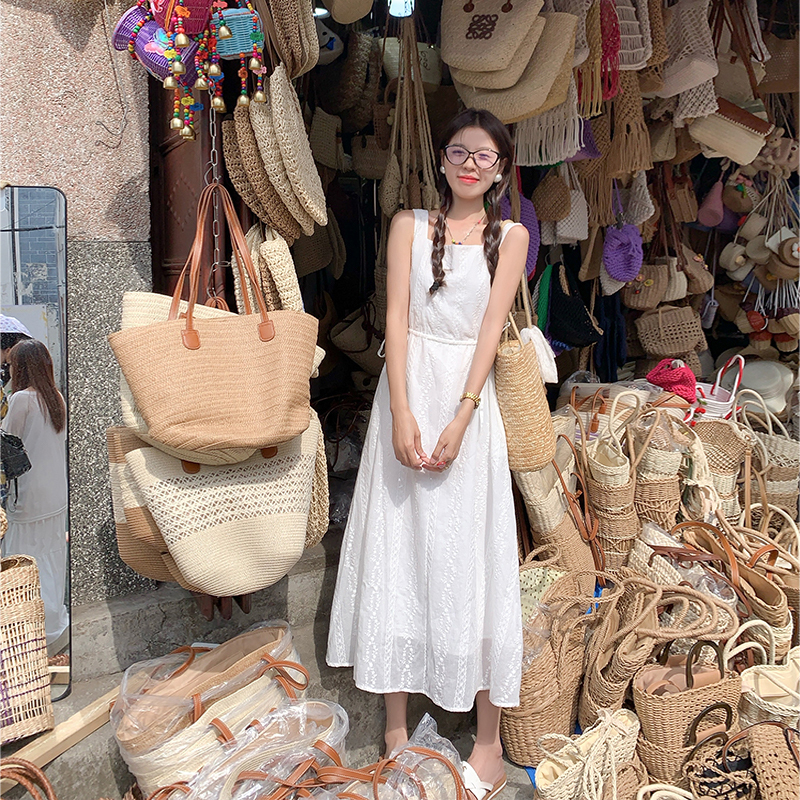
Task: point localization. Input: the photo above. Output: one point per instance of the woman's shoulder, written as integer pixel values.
(514, 231)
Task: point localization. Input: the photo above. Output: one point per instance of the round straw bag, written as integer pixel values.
(523, 404)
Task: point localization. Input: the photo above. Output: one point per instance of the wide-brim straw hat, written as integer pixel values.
(552, 58)
(346, 12)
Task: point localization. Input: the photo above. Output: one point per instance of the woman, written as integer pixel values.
(427, 595)
(37, 505)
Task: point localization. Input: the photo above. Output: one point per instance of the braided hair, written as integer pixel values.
(473, 118)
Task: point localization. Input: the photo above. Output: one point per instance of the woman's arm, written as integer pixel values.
(513, 254)
(406, 437)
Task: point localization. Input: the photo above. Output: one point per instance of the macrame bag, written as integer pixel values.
(261, 364)
(551, 198)
(622, 247)
(569, 321)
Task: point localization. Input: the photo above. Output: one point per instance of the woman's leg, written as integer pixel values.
(396, 720)
(487, 754)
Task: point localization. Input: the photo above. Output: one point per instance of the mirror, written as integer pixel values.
(33, 256)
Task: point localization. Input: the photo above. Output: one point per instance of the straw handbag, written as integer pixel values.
(261, 365)
(669, 696)
(774, 751)
(551, 684)
(669, 331)
(25, 706)
(369, 159)
(588, 763)
(358, 338)
(232, 529)
(521, 396)
(536, 577)
(713, 771)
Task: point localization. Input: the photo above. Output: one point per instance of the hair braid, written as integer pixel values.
(439, 239)
(492, 232)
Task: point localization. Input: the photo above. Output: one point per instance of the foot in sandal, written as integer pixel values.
(484, 773)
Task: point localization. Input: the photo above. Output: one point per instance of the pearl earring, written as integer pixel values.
(498, 178)
(441, 169)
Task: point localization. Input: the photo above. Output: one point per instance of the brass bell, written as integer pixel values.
(170, 82)
(259, 96)
(178, 67)
(201, 84)
(176, 124)
(218, 104)
(214, 70)
(182, 40)
(224, 32)
(243, 100)
(187, 132)
(255, 64)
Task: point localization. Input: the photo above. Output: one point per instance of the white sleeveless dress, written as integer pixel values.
(427, 594)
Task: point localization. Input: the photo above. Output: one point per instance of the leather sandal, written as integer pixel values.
(482, 790)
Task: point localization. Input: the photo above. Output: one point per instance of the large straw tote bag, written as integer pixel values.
(521, 396)
(591, 760)
(261, 365)
(161, 696)
(487, 37)
(530, 94)
(25, 706)
(232, 529)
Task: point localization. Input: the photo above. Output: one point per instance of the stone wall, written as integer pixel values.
(75, 117)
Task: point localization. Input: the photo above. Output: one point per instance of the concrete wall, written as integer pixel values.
(75, 117)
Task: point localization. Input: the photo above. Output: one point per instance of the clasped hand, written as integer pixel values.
(407, 441)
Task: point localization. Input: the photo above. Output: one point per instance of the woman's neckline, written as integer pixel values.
(452, 244)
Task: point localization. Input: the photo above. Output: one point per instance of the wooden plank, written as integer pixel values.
(59, 676)
(51, 745)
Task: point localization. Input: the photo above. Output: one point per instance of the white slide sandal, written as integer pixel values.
(482, 790)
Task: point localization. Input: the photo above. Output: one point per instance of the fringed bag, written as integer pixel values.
(630, 145)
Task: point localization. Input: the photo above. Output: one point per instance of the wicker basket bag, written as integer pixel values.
(25, 706)
(521, 396)
(551, 683)
(669, 331)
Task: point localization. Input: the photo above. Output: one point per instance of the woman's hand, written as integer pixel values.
(449, 444)
(406, 440)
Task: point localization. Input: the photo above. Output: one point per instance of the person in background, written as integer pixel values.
(11, 332)
(37, 505)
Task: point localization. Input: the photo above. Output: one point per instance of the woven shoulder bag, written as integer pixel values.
(261, 364)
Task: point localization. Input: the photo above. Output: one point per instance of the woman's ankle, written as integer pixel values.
(394, 738)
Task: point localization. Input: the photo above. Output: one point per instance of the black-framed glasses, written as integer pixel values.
(483, 158)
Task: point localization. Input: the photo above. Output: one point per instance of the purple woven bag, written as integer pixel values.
(151, 43)
(124, 28)
(622, 248)
(589, 148)
(527, 216)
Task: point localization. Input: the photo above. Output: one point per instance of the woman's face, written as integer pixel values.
(479, 163)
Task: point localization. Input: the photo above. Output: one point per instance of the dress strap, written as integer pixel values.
(420, 223)
(506, 226)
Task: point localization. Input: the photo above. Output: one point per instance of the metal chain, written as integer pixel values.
(212, 174)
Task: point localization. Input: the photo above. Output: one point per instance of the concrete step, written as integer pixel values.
(109, 637)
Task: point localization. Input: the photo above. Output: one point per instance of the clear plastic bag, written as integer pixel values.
(535, 635)
(277, 746)
(157, 697)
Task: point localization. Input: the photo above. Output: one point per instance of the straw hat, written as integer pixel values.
(551, 59)
(771, 379)
(346, 12)
(237, 172)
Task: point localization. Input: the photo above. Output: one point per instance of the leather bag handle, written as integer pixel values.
(720, 705)
(190, 335)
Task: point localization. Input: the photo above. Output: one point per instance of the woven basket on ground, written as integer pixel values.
(551, 684)
(25, 706)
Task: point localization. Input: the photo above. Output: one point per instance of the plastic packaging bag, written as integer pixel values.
(156, 697)
(535, 635)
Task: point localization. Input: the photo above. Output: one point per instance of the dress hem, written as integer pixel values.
(451, 709)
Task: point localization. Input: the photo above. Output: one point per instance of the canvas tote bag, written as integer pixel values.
(260, 364)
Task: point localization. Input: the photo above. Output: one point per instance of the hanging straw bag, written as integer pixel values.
(647, 289)
(25, 705)
(261, 365)
(369, 159)
(523, 403)
(669, 331)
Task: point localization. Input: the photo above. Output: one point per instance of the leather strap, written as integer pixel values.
(283, 676)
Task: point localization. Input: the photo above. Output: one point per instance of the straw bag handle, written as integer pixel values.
(728, 651)
(663, 791)
(190, 335)
(723, 540)
(771, 509)
(769, 417)
(531, 563)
